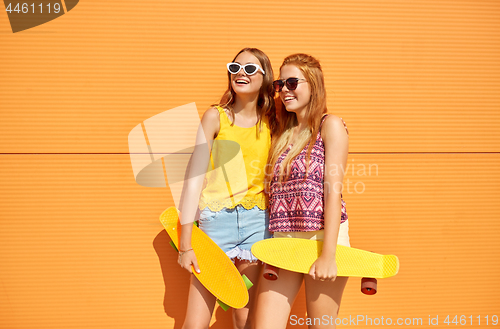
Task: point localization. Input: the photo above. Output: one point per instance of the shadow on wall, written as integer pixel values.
(176, 282)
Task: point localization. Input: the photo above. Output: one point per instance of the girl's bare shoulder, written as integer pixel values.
(211, 122)
(333, 125)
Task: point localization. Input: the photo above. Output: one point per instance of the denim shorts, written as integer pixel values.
(236, 230)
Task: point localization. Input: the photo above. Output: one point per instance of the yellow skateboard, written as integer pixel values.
(297, 255)
(218, 273)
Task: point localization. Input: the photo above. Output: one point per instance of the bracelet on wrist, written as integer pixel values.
(182, 252)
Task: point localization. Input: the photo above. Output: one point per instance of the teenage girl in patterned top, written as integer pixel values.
(230, 199)
(308, 152)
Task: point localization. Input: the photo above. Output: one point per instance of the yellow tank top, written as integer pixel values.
(235, 175)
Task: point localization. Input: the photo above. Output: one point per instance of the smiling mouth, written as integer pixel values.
(289, 98)
(241, 82)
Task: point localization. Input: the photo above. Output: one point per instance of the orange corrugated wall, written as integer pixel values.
(416, 81)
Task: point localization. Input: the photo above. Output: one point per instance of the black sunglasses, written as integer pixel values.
(291, 84)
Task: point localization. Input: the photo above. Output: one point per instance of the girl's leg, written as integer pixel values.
(275, 300)
(323, 301)
(201, 304)
(243, 317)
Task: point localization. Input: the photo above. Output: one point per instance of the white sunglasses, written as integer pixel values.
(249, 69)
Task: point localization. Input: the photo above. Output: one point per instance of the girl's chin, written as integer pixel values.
(293, 109)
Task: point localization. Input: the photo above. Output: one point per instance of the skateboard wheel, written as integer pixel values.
(247, 281)
(271, 272)
(369, 286)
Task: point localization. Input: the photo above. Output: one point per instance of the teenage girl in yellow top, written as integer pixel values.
(232, 203)
(305, 198)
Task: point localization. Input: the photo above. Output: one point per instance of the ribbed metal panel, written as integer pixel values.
(78, 236)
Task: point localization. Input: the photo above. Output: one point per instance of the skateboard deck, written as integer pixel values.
(218, 273)
(297, 255)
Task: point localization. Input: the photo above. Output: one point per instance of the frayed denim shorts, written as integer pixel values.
(236, 230)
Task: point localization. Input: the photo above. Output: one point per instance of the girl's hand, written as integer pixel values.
(188, 258)
(324, 269)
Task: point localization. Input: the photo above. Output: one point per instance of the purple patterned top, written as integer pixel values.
(297, 204)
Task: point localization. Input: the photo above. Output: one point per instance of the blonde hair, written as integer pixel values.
(286, 121)
(265, 103)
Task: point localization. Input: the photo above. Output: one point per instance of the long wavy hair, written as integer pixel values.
(287, 121)
(265, 103)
